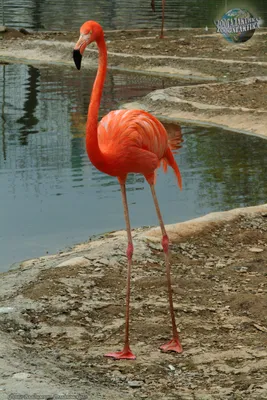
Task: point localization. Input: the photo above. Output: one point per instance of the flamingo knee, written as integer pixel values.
(129, 252)
(165, 243)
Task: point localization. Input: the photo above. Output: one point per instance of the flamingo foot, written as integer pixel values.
(172, 345)
(125, 354)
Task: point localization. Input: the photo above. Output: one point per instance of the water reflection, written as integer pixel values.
(51, 195)
(3, 118)
(231, 168)
(118, 14)
(29, 120)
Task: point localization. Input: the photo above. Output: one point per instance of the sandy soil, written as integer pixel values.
(67, 310)
(193, 55)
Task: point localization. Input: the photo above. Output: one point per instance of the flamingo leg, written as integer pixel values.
(174, 344)
(162, 20)
(126, 353)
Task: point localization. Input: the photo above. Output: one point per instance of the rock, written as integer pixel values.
(135, 384)
(260, 328)
(103, 261)
(6, 310)
(24, 31)
(241, 269)
(33, 335)
(255, 250)
(21, 376)
(154, 246)
(264, 386)
(75, 262)
(157, 97)
(3, 28)
(171, 367)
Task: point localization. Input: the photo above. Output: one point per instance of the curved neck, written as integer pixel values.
(92, 146)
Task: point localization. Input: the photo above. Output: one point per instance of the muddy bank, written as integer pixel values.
(66, 310)
(234, 93)
(239, 105)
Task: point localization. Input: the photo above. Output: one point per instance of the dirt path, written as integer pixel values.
(67, 310)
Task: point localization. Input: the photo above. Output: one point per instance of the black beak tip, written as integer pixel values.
(77, 57)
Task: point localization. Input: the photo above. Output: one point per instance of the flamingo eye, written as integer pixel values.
(86, 35)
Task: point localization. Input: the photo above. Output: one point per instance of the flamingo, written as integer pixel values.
(123, 142)
(162, 19)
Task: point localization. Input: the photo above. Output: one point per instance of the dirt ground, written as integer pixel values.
(237, 101)
(67, 310)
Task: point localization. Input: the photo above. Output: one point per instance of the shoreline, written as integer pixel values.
(233, 77)
(60, 313)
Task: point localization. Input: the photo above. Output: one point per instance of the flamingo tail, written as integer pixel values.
(170, 160)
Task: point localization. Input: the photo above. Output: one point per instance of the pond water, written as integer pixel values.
(120, 14)
(51, 196)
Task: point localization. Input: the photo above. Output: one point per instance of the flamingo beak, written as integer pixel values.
(77, 57)
(79, 48)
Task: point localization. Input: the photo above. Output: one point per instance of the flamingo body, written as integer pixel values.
(134, 141)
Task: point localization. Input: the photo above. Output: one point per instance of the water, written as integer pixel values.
(120, 14)
(51, 196)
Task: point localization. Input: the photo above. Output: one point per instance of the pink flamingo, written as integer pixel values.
(126, 141)
(162, 19)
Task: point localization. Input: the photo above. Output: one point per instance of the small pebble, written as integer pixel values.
(21, 376)
(135, 384)
(6, 310)
(255, 250)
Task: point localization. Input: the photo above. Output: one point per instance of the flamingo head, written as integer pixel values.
(90, 32)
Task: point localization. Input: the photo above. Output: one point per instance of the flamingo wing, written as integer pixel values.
(135, 141)
(124, 128)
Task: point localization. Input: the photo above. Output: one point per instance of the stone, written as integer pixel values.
(255, 249)
(260, 328)
(135, 384)
(103, 261)
(242, 269)
(264, 386)
(6, 310)
(75, 262)
(20, 376)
